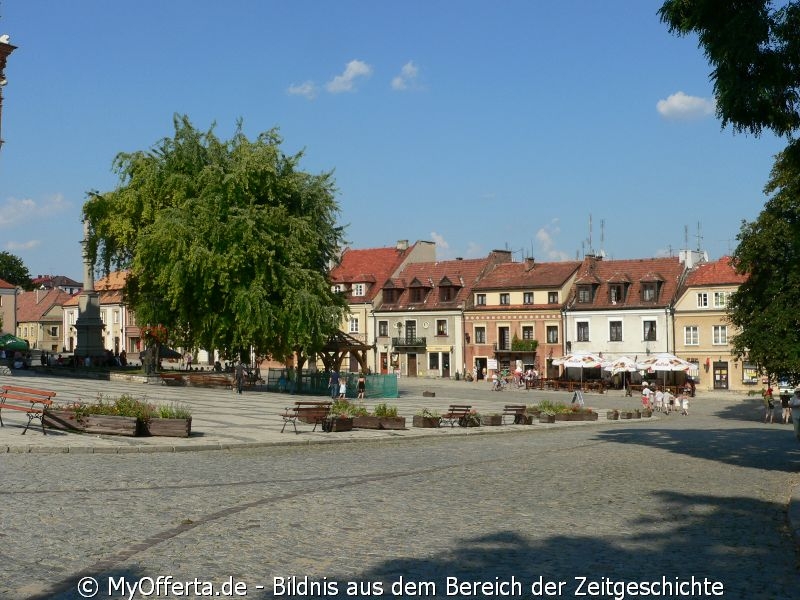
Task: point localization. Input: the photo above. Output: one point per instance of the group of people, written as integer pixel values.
(338, 385)
(783, 404)
(663, 401)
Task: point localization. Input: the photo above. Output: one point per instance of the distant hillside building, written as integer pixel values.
(52, 282)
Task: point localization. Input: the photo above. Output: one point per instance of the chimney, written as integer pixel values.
(529, 263)
(402, 245)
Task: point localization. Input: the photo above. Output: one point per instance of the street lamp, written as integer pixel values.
(5, 51)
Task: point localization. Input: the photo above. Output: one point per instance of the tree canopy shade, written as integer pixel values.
(228, 243)
(14, 271)
(754, 49)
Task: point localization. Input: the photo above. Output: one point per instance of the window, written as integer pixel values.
(584, 294)
(359, 289)
(441, 326)
(71, 318)
(446, 293)
(503, 338)
(433, 361)
(353, 324)
(615, 331)
(702, 300)
(391, 296)
(649, 292)
(53, 331)
(527, 332)
(649, 331)
(383, 328)
(418, 295)
(552, 297)
(552, 334)
(480, 335)
(116, 317)
(721, 299)
(527, 298)
(615, 293)
(337, 288)
(720, 335)
(505, 299)
(583, 331)
(25, 332)
(691, 335)
(480, 299)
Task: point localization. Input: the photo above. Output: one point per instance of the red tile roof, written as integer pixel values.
(462, 274)
(109, 289)
(528, 275)
(32, 306)
(666, 272)
(720, 272)
(371, 265)
(5, 285)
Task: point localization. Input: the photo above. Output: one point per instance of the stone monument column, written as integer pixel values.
(89, 325)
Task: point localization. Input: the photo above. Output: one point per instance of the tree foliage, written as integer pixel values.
(14, 271)
(228, 243)
(754, 50)
(766, 307)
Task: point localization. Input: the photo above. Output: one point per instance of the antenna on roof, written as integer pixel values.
(699, 238)
(685, 237)
(602, 237)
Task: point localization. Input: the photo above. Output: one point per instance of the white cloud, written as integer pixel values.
(16, 210)
(680, 106)
(23, 245)
(346, 81)
(474, 250)
(407, 77)
(545, 237)
(307, 89)
(440, 241)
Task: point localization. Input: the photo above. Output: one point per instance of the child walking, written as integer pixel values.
(685, 404)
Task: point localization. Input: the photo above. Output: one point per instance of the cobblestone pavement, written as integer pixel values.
(702, 496)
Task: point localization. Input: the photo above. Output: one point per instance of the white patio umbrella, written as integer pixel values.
(579, 360)
(623, 364)
(663, 362)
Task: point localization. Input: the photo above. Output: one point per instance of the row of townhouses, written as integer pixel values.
(427, 318)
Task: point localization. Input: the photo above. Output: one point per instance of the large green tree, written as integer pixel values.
(14, 271)
(228, 243)
(753, 47)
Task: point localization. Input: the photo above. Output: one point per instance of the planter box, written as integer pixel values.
(547, 418)
(647, 413)
(372, 422)
(625, 414)
(99, 424)
(427, 422)
(637, 414)
(340, 424)
(169, 427)
(491, 420)
(612, 415)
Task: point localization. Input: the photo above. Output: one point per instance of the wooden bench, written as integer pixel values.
(457, 413)
(172, 379)
(209, 381)
(308, 411)
(31, 401)
(517, 411)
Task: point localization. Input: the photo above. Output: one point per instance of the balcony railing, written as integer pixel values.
(409, 342)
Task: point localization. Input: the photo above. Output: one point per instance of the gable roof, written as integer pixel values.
(528, 275)
(34, 306)
(51, 281)
(633, 274)
(720, 272)
(461, 275)
(7, 286)
(370, 265)
(109, 288)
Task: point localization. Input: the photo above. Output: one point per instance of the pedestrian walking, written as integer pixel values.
(786, 410)
(685, 405)
(658, 399)
(769, 405)
(362, 385)
(795, 406)
(239, 377)
(333, 384)
(646, 392)
(342, 387)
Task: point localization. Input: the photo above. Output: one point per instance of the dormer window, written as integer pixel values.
(359, 289)
(649, 292)
(585, 294)
(446, 293)
(337, 288)
(616, 293)
(418, 295)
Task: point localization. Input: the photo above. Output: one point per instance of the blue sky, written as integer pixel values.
(478, 125)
